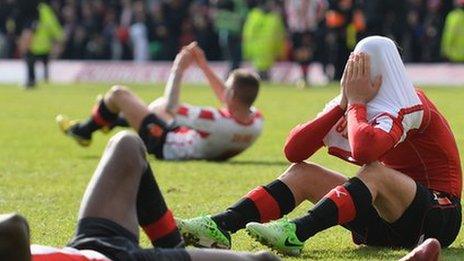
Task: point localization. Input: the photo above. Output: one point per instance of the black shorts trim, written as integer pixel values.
(431, 214)
(104, 236)
(153, 132)
(117, 243)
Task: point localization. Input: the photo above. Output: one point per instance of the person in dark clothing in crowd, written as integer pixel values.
(41, 31)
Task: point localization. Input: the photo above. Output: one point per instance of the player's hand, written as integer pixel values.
(183, 60)
(344, 101)
(356, 81)
(198, 55)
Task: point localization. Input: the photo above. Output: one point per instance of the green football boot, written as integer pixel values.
(279, 235)
(203, 232)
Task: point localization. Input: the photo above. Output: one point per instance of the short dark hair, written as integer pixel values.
(14, 238)
(245, 85)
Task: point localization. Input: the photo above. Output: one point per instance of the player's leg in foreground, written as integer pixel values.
(264, 203)
(14, 238)
(429, 250)
(390, 191)
(122, 195)
(123, 191)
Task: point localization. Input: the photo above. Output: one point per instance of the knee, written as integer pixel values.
(118, 91)
(128, 145)
(371, 173)
(299, 171)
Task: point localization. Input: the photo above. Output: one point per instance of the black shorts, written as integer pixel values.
(431, 214)
(153, 132)
(117, 243)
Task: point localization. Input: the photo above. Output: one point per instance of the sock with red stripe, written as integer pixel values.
(101, 116)
(341, 205)
(260, 205)
(153, 214)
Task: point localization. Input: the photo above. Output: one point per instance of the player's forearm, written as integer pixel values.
(172, 90)
(367, 143)
(216, 83)
(305, 139)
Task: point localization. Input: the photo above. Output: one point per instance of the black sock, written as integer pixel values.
(101, 116)
(260, 205)
(153, 214)
(121, 122)
(86, 128)
(341, 205)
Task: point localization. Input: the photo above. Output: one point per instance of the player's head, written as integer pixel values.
(385, 60)
(242, 87)
(14, 238)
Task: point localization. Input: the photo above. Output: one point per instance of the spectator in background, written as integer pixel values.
(173, 13)
(338, 19)
(263, 37)
(415, 18)
(139, 33)
(100, 29)
(433, 24)
(198, 26)
(159, 33)
(7, 28)
(453, 34)
(37, 40)
(374, 11)
(396, 19)
(203, 30)
(229, 18)
(303, 17)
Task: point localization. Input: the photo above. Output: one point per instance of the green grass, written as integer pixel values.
(43, 174)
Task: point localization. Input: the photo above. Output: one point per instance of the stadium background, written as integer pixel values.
(43, 175)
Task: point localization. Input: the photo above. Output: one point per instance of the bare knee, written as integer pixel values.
(128, 145)
(373, 175)
(370, 172)
(118, 91)
(300, 171)
(300, 178)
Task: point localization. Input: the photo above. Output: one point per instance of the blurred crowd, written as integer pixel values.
(261, 31)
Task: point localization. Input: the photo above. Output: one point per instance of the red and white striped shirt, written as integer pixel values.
(47, 253)
(400, 127)
(425, 149)
(210, 133)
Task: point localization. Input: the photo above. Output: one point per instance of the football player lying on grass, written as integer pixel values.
(408, 188)
(174, 131)
(121, 196)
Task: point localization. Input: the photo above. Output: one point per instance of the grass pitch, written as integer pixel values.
(43, 174)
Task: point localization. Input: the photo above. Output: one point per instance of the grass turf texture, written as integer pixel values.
(43, 174)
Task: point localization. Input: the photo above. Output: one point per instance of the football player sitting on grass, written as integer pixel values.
(407, 190)
(174, 131)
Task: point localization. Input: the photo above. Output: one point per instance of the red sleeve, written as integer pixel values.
(305, 139)
(368, 143)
